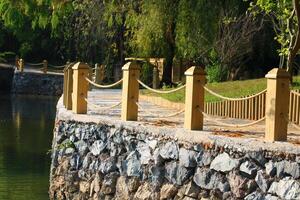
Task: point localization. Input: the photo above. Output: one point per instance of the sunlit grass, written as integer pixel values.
(228, 89)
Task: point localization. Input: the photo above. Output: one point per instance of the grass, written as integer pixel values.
(228, 89)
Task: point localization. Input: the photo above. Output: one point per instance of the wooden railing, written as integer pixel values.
(294, 110)
(269, 105)
(43, 66)
(251, 109)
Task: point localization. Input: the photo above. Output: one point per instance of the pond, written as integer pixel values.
(26, 128)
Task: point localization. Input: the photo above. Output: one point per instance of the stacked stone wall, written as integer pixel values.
(100, 161)
(37, 84)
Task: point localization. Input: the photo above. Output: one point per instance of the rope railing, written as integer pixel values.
(101, 107)
(211, 118)
(34, 64)
(104, 86)
(159, 116)
(57, 66)
(160, 91)
(233, 99)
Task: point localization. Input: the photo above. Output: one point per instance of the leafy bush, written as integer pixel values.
(215, 71)
(147, 73)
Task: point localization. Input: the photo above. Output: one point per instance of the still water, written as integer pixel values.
(26, 125)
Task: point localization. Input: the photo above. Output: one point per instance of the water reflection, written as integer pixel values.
(26, 125)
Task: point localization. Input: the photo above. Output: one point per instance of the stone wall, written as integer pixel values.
(112, 161)
(37, 84)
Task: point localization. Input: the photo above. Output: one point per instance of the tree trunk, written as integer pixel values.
(170, 53)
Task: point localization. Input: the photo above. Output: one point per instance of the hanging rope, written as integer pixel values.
(159, 116)
(104, 86)
(211, 118)
(102, 108)
(233, 99)
(68, 66)
(34, 64)
(57, 67)
(159, 91)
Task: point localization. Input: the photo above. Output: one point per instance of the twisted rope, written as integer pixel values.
(159, 91)
(57, 67)
(34, 64)
(102, 108)
(233, 99)
(104, 86)
(211, 118)
(159, 116)
(68, 65)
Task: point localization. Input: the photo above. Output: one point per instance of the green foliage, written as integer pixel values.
(284, 23)
(147, 73)
(196, 28)
(215, 71)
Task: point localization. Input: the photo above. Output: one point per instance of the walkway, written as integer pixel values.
(39, 71)
(150, 112)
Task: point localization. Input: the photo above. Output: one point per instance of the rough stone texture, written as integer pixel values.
(248, 169)
(224, 163)
(37, 84)
(107, 161)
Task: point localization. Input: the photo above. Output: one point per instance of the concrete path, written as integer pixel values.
(107, 98)
(38, 70)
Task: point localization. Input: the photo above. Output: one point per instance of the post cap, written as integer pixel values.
(154, 60)
(80, 65)
(131, 66)
(277, 73)
(195, 70)
(135, 59)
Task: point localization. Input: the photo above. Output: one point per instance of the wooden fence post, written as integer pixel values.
(80, 88)
(21, 65)
(68, 86)
(130, 91)
(65, 87)
(91, 77)
(194, 98)
(155, 81)
(99, 73)
(277, 105)
(45, 66)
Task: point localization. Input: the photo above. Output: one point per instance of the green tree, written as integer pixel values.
(153, 32)
(285, 16)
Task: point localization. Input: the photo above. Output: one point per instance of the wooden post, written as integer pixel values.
(45, 66)
(69, 88)
(130, 91)
(155, 81)
(194, 98)
(65, 87)
(80, 88)
(21, 65)
(277, 105)
(65, 84)
(99, 73)
(91, 77)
